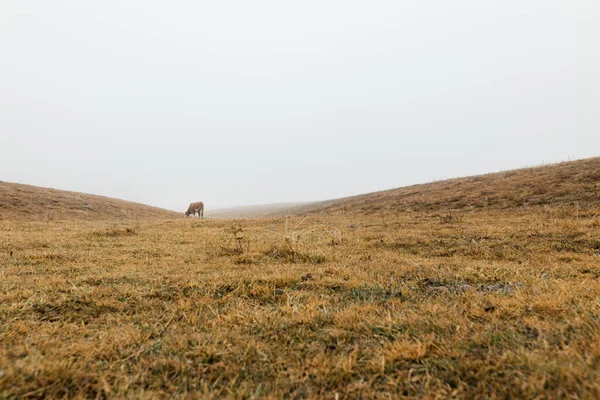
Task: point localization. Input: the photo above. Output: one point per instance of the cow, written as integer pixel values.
(194, 208)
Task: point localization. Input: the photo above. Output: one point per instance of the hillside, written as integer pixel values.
(19, 201)
(573, 183)
(253, 211)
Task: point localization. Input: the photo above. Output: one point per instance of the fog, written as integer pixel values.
(238, 102)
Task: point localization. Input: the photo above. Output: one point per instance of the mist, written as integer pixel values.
(236, 103)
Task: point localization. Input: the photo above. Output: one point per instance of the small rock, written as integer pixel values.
(306, 277)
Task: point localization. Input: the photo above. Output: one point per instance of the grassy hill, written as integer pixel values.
(574, 183)
(32, 202)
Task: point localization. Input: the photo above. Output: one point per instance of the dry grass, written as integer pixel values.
(43, 204)
(574, 183)
(498, 304)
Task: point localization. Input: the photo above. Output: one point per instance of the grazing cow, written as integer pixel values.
(194, 208)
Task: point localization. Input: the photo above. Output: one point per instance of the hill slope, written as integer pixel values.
(33, 202)
(568, 183)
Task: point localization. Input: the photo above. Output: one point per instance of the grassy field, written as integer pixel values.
(478, 304)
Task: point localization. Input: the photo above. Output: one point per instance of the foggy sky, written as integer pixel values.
(249, 102)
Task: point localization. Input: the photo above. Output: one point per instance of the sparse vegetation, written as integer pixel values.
(503, 303)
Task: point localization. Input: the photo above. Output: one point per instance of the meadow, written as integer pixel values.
(477, 303)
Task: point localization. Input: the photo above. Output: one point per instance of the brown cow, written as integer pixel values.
(194, 208)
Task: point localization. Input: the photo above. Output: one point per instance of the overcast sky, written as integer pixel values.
(249, 102)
